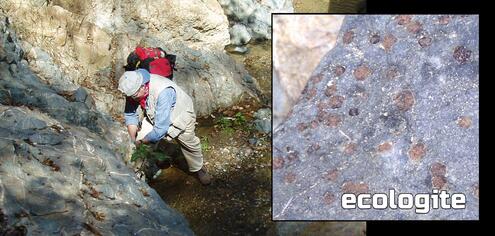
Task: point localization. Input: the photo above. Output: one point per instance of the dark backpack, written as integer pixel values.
(154, 60)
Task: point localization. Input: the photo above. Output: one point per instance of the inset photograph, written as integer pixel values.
(376, 117)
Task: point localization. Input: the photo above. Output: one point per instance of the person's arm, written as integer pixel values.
(166, 100)
(131, 118)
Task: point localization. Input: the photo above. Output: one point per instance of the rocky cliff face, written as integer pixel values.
(395, 105)
(62, 162)
(85, 43)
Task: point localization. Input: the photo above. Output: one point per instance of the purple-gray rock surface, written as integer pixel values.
(395, 105)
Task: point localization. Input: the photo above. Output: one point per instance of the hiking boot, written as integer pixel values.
(203, 176)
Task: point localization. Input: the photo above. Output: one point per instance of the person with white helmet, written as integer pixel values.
(168, 114)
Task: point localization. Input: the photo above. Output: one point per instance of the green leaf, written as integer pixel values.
(141, 152)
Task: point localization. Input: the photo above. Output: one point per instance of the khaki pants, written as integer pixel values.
(189, 143)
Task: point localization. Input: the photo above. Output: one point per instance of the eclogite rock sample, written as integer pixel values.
(394, 106)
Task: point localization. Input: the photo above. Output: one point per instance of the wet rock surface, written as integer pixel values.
(409, 122)
(62, 163)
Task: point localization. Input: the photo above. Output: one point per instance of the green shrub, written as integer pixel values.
(224, 122)
(239, 119)
(229, 124)
(144, 151)
(205, 144)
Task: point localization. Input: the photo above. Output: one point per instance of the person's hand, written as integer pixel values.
(142, 141)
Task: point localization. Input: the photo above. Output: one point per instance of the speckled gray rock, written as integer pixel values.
(393, 106)
(62, 165)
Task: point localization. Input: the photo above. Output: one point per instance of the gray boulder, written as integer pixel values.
(263, 120)
(238, 10)
(259, 23)
(239, 35)
(254, 15)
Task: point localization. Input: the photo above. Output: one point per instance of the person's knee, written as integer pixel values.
(195, 148)
(190, 140)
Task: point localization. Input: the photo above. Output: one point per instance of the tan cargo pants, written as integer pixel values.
(189, 143)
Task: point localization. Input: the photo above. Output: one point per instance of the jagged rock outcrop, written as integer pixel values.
(393, 106)
(62, 163)
(85, 43)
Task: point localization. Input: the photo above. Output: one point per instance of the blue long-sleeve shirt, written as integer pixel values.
(165, 102)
